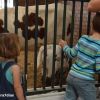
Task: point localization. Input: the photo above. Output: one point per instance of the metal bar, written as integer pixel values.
(72, 30)
(54, 42)
(14, 2)
(72, 24)
(16, 19)
(88, 24)
(81, 17)
(63, 37)
(16, 16)
(5, 15)
(45, 42)
(36, 43)
(26, 43)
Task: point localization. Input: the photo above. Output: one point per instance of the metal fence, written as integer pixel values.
(45, 89)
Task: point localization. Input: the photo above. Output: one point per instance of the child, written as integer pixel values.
(80, 80)
(94, 5)
(10, 85)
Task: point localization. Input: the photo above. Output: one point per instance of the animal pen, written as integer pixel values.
(34, 78)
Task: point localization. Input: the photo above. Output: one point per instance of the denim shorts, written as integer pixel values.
(80, 88)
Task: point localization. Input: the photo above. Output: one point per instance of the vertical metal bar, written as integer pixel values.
(14, 2)
(63, 37)
(16, 19)
(16, 16)
(72, 30)
(72, 25)
(88, 24)
(5, 15)
(26, 42)
(81, 17)
(54, 42)
(45, 42)
(36, 43)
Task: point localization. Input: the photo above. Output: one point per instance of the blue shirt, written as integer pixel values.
(87, 63)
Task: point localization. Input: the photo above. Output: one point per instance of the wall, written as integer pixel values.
(77, 19)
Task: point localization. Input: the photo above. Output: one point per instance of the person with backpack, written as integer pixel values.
(10, 83)
(81, 77)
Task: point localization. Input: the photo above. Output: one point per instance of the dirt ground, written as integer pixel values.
(30, 69)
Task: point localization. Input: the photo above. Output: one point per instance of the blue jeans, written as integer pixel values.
(79, 88)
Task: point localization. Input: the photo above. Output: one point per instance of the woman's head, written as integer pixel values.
(9, 45)
(96, 22)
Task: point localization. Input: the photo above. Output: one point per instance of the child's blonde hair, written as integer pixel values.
(9, 45)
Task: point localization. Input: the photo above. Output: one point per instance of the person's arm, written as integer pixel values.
(17, 84)
(94, 6)
(71, 52)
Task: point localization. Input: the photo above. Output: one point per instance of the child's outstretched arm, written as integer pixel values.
(94, 5)
(17, 84)
(71, 52)
(62, 43)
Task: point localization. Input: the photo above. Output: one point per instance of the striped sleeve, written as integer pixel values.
(97, 59)
(71, 52)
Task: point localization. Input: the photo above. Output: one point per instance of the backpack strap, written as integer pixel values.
(0, 66)
(8, 65)
(0, 72)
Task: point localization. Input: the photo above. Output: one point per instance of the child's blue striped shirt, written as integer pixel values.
(87, 63)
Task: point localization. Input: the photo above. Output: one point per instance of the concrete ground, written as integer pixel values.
(54, 96)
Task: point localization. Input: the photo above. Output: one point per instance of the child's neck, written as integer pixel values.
(7, 60)
(95, 35)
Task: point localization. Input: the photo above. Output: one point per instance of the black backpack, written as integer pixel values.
(2, 81)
